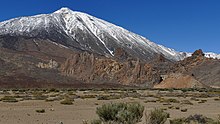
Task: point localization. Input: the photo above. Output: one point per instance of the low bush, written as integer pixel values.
(157, 116)
(123, 113)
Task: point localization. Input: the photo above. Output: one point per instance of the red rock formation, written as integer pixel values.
(88, 68)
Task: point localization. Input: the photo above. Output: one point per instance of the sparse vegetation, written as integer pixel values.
(157, 116)
(123, 113)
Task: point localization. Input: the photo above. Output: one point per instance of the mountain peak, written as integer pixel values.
(63, 10)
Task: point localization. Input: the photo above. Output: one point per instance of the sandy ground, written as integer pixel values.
(24, 112)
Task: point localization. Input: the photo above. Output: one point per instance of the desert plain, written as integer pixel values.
(71, 106)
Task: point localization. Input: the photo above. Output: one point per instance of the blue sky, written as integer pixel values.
(185, 25)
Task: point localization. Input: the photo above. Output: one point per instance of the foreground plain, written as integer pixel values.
(71, 106)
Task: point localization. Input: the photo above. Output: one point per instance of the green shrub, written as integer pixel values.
(157, 116)
(123, 113)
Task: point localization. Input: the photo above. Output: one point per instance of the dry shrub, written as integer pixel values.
(157, 116)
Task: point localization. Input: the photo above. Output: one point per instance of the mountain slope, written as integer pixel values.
(82, 31)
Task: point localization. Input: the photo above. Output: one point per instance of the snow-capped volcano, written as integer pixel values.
(78, 30)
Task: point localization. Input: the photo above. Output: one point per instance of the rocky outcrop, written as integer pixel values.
(205, 70)
(50, 65)
(194, 71)
(198, 53)
(121, 55)
(179, 80)
(89, 68)
(187, 64)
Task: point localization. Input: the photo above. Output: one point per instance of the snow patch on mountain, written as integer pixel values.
(212, 55)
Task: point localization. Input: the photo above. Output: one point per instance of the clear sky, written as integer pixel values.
(185, 25)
